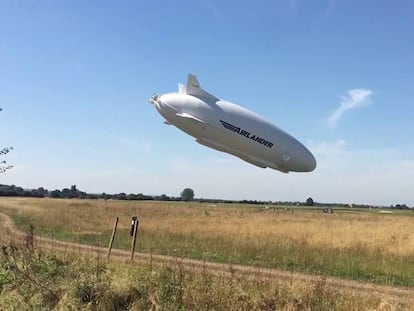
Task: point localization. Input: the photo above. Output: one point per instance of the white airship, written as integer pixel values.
(229, 128)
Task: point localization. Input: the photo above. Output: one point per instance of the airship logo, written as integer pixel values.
(246, 134)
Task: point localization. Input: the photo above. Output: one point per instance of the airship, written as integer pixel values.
(230, 128)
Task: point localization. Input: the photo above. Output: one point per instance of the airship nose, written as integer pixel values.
(302, 160)
(165, 105)
(308, 162)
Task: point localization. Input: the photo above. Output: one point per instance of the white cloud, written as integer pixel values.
(354, 99)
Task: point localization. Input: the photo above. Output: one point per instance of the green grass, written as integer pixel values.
(33, 280)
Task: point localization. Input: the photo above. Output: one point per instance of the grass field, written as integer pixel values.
(39, 280)
(361, 245)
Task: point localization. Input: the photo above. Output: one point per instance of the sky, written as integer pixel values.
(76, 76)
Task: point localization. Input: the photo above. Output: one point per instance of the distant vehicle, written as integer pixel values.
(230, 128)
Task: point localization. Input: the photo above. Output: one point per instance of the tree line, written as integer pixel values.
(186, 195)
(70, 193)
(74, 192)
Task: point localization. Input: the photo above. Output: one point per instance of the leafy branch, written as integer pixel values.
(3, 164)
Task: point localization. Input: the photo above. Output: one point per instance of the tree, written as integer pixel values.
(56, 194)
(66, 193)
(42, 191)
(309, 202)
(187, 194)
(105, 196)
(164, 197)
(121, 196)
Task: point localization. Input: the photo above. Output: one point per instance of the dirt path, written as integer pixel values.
(394, 294)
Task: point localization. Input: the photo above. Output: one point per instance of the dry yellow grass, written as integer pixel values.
(380, 243)
(391, 234)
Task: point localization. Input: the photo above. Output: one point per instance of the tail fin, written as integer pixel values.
(194, 88)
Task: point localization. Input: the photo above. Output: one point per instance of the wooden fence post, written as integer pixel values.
(134, 238)
(108, 254)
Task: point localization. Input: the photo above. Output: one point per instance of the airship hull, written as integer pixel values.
(230, 128)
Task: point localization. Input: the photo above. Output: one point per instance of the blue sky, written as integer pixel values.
(75, 78)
